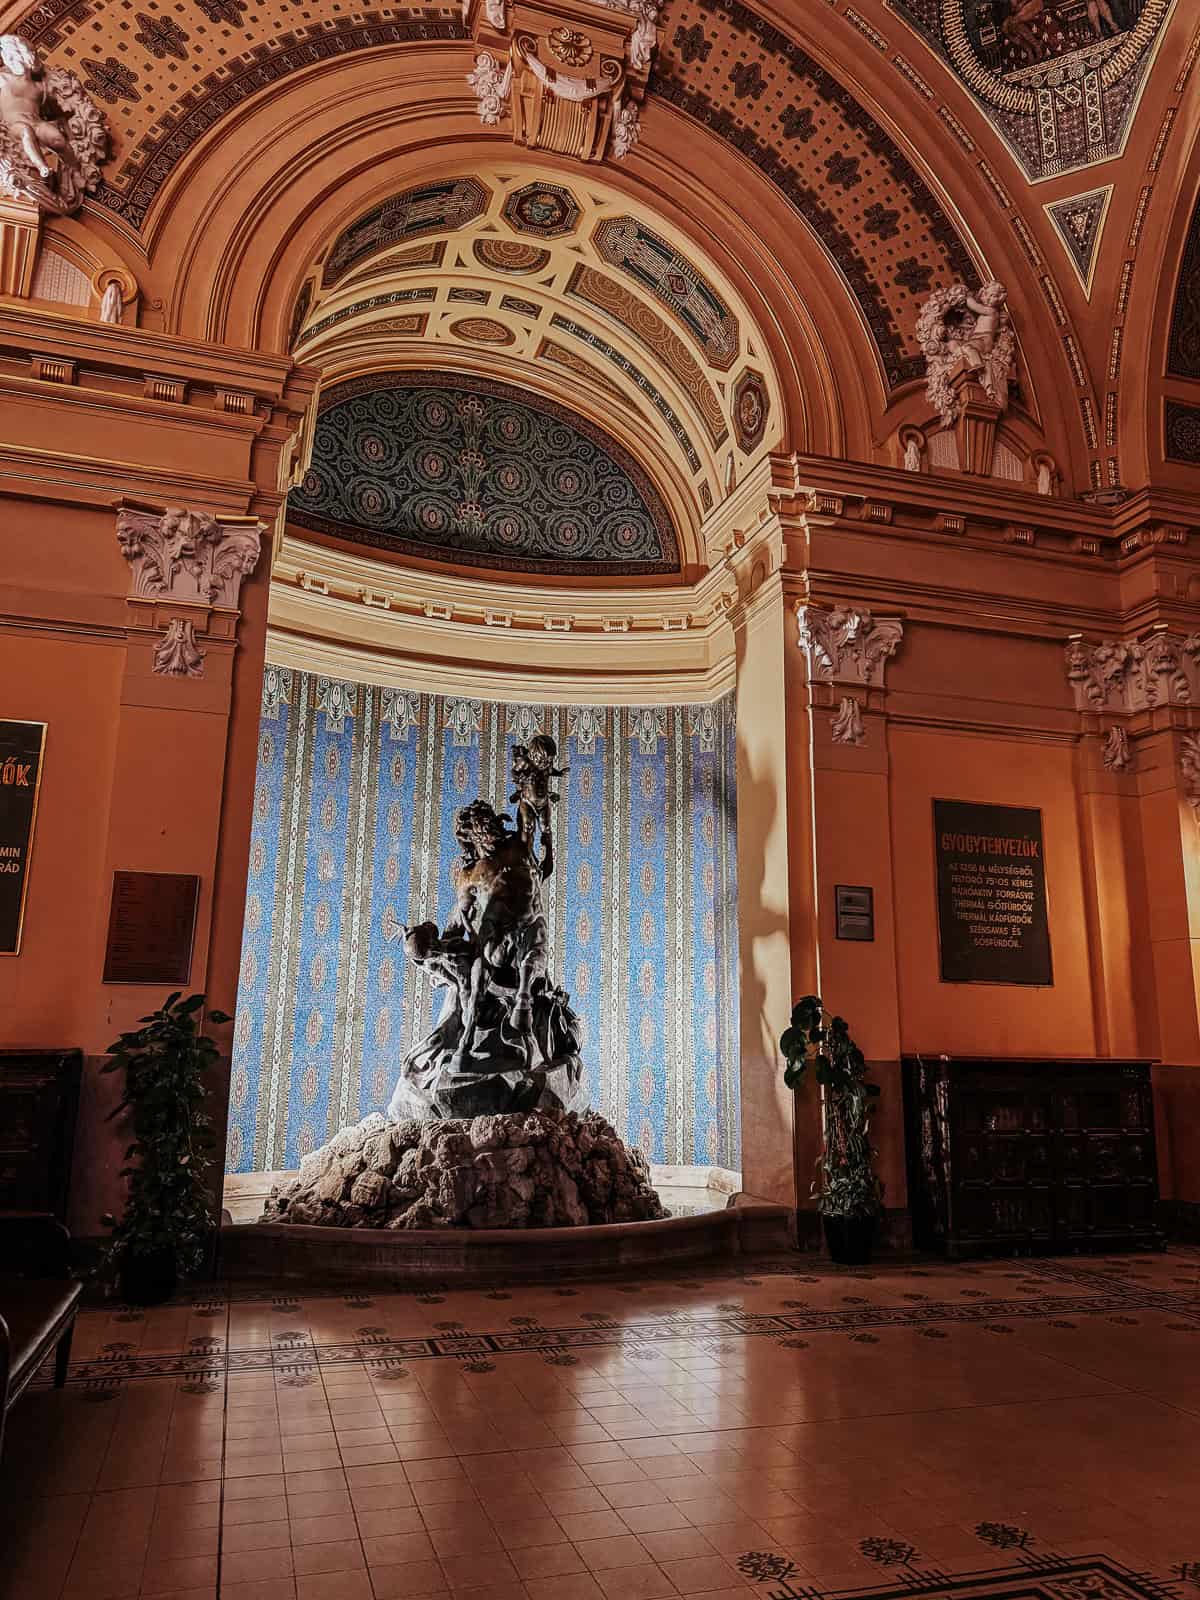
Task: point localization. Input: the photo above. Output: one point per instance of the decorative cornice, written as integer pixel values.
(847, 645)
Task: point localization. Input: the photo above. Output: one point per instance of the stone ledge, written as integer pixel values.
(315, 1254)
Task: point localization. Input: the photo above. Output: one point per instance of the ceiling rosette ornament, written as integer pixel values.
(53, 138)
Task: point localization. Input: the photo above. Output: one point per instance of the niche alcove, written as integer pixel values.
(537, 407)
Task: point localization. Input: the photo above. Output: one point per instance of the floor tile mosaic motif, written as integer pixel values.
(1002, 1431)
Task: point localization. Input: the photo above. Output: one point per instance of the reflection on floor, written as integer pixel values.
(994, 1430)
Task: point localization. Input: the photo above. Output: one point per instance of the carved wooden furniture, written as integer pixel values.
(1017, 1155)
(38, 1303)
(39, 1095)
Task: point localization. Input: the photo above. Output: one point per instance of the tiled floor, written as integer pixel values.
(783, 1429)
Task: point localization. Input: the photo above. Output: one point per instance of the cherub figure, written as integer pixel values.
(532, 769)
(27, 111)
(963, 331)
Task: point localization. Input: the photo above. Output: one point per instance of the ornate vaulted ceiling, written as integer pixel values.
(564, 287)
(425, 464)
(888, 146)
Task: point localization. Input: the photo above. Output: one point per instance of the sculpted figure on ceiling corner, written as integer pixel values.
(964, 333)
(52, 137)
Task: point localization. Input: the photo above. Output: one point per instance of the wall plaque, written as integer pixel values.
(991, 892)
(21, 748)
(854, 905)
(150, 927)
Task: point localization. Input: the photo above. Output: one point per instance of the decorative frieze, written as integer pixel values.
(846, 645)
(1160, 669)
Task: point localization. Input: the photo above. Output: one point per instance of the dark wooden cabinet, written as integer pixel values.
(1010, 1155)
(39, 1097)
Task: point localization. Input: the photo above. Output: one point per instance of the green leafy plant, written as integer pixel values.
(169, 1205)
(846, 1184)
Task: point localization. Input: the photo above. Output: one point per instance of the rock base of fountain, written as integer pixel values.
(533, 1170)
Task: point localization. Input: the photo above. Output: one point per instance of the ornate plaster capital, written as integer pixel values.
(1160, 669)
(188, 556)
(849, 646)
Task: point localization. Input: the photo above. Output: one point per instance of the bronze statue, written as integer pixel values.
(532, 769)
(507, 1039)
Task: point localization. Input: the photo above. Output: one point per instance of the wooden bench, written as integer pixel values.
(38, 1302)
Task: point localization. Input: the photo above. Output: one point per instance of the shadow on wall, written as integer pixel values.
(355, 799)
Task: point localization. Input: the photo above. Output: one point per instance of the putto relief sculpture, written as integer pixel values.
(53, 138)
(488, 1126)
(969, 336)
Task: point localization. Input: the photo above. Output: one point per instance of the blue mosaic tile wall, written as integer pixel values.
(356, 794)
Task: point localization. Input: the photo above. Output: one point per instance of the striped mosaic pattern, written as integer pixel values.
(353, 837)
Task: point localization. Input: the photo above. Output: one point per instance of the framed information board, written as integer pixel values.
(993, 925)
(21, 748)
(150, 927)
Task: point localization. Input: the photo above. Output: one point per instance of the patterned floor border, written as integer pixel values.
(1115, 1295)
(1040, 1577)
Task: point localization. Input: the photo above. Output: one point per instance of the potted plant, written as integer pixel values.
(167, 1224)
(849, 1194)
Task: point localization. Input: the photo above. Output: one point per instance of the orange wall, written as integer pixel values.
(72, 686)
(975, 1018)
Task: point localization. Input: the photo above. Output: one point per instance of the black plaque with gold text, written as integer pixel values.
(21, 747)
(991, 891)
(150, 927)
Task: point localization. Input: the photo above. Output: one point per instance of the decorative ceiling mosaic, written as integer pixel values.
(1183, 351)
(626, 243)
(718, 61)
(159, 107)
(429, 464)
(754, 87)
(543, 209)
(431, 208)
(620, 303)
(1058, 79)
(1080, 222)
(510, 255)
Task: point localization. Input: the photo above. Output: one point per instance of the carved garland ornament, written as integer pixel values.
(967, 334)
(53, 138)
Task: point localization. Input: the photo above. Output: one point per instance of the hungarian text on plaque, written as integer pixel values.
(991, 893)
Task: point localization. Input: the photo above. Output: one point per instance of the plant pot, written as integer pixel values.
(849, 1239)
(148, 1279)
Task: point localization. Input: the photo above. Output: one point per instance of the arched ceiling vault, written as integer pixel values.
(246, 134)
(562, 285)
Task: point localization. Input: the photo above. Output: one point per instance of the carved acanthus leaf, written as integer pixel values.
(1189, 767)
(177, 655)
(188, 555)
(1161, 669)
(848, 646)
(847, 727)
